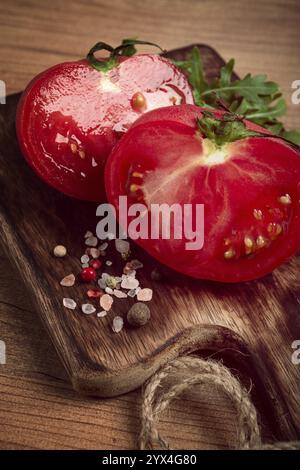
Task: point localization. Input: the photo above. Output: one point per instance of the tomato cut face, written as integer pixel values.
(70, 116)
(250, 189)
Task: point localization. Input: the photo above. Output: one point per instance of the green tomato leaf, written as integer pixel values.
(267, 112)
(226, 74)
(193, 68)
(197, 75)
(250, 88)
(274, 127)
(253, 97)
(292, 136)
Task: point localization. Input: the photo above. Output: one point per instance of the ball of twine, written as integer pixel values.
(207, 372)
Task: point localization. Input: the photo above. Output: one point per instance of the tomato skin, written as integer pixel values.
(186, 114)
(257, 174)
(71, 115)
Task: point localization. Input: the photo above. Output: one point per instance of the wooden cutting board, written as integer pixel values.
(251, 326)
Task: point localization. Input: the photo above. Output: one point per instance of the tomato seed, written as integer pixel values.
(138, 102)
(258, 214)
(229, 254)
(285, 200)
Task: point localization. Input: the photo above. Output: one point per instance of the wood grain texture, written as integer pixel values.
(262, 37)
(40, 410)
(45, 34)
(187, 315)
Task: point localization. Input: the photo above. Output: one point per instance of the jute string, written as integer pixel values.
(156, 398)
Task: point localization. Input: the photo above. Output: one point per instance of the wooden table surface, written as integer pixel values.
(38, 408)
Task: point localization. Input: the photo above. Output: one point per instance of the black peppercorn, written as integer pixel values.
(139, 314)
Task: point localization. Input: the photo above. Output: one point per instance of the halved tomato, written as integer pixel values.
(249, 183)
(71, 115)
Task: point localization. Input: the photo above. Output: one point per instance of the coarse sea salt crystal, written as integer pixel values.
(88, 309)
(120, 294)
(111, 282)
(101, 314)
(118, 324)
(136, 264)
(109, 290)
(108, 263)
(131, 273)
(95, 253)
(122, 246)
(130, 283)
(88, 234)
(68, 281)
(106, 302)
(145, 295)
(94, 163)
(85, 265)
(69, 303)
(131, 293)
(101, 283)
(132, 266)
(91, 241)
(85, 259)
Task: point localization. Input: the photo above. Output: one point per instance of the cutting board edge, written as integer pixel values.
(107, 383)
(208, 338)
(195, 338)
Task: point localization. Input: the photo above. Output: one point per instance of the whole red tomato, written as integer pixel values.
(248, 182)
(71, 115)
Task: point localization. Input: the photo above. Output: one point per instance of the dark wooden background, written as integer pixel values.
(38, 408)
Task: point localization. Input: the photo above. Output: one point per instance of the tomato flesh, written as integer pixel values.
(250, 189)
(70, 116)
